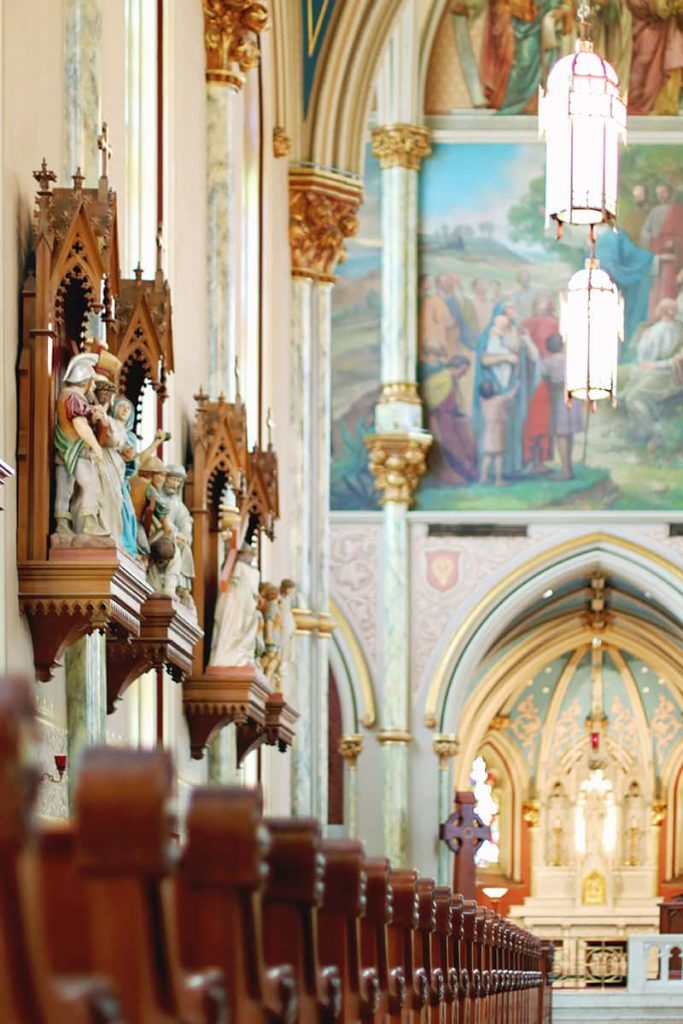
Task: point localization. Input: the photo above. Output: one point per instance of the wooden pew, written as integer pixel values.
(401, 951)
(30, 992)
(422, 943)
(221, 878)
(339, 927)
(441, 956)
(292, 897)
(374, 946)
(125, 854)
(457, 954)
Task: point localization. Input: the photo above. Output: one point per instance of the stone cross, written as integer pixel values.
(464, 832)
(105, 149)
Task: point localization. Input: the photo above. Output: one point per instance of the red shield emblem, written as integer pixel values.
(442, 569)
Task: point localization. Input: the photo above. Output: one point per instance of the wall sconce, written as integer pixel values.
(60, 765)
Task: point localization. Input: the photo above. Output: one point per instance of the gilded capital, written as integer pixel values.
(499, 722)
(350, 747)
(658, 811)
(401, 145)
(323, 213)
(282, 144)
(446, 746)
(531, 812)
(231, 31)
(393, 736)
(401, 391)
(397, 461)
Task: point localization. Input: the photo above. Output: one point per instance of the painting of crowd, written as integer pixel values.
(492, 379)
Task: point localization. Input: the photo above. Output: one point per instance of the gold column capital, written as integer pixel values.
(397, 461)
(401, 145)
(446, 746)
(308, 621)
(658, 811)
(323, 213)
(231, 31)
(499, 722)
(401, 391)
(531, 812)
(394, 736)
(350, 747)
(282, 144)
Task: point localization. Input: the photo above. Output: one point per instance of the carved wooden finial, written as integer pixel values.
(105, 149)
(44, 176)
(160, 246)
(78, 178)
(138, 272)
(270, 423)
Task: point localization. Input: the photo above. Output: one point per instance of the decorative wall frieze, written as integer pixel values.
(401, 145)
(350, 747)
(446, 746)
(323, 208)
(231, 39)
(397, 461)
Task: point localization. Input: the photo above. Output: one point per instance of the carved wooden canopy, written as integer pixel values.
(142, 336)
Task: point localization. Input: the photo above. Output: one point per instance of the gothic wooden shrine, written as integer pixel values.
(80, 357)
(464, 832)
(233, 493)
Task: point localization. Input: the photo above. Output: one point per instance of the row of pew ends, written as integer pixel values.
(111, 918)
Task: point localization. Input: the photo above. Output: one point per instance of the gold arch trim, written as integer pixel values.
(362, 672)
(518, 575)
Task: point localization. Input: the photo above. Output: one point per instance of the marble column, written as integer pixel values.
(231, 31)
(85, 669)
(85, 666)
(82, 36)
(398, 457)
(323, 207)
(350, 747)
(446, 747)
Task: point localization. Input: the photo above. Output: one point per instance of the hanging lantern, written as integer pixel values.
(592, 325)
(583, 118)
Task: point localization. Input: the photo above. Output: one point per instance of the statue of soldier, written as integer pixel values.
(78, 450)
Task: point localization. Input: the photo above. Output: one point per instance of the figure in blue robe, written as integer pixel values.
(631, 268)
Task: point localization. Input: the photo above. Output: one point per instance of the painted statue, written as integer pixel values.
(236, 618)
(78, 451)
(153, 515)
(123, 413)
(271, 610)
(181, 517)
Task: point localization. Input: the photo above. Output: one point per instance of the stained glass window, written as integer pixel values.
(482, 784)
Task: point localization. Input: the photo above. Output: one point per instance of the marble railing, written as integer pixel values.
(655, 964)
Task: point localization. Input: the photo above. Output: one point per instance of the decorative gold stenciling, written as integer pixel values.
(350, 747)
(231, 31)
(401, 145)
(282, 144)
(323, 207)
(446, 746)
(397, 461)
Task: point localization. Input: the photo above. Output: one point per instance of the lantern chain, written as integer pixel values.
(583, 14)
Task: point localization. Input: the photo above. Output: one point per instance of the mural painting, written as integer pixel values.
(494, 55)
(356, 345)
(492, 360)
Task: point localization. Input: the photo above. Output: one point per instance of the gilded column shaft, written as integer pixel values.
(82, 35)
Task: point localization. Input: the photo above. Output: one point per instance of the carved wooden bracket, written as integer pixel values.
(168, 635)
(239, 695)
(76, 591)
